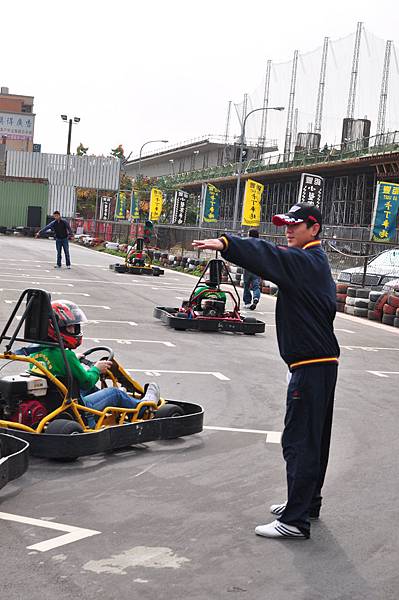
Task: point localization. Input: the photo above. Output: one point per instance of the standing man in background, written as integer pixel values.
(62, 232)
(251, 295)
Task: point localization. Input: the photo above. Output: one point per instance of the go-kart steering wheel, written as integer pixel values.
(110, 356)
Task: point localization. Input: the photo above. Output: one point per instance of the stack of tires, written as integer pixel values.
(341, 296)
(357, 302)
(377, 300)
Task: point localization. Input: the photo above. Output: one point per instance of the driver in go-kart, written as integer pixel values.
(70, 317)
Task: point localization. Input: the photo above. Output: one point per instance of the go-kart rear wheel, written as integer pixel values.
(169, 410)
(66, 427)
(250, 320)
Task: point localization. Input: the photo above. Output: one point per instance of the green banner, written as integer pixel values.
(120, 208)
(134, 207)
(210, 203)
(386, 203)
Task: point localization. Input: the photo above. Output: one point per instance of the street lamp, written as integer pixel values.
(141, 149)
(71, 121)
(240, 161)
(172, 166)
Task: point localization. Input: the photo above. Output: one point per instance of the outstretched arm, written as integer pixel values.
(211, 244)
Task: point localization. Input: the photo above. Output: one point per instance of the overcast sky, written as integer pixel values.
(135, 71)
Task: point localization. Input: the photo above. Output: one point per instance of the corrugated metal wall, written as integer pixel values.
(65, 173)
(15, 197)
(97, 172)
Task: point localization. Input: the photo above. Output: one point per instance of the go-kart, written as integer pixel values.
(14, 458)
(47, 411)
(137, 261)
(206, 310)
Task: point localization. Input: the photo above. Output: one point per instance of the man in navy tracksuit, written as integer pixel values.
(62, 231)
(305, 312)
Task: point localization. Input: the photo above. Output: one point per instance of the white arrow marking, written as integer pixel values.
(73, 533)
(272, 437)
(157, 373)
(122, 341)
(383, 373)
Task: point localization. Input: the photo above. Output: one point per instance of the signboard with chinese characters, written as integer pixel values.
(105, 208)
(210, 203)
(156, 202)
(180, 207)
(16, 126)
(252, 203)
(311, 189)
(386, 203)
(120, 208)
(134, 207)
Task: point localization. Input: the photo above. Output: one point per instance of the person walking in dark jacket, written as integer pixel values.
(305, 312)
(62, 232)
(251, 294)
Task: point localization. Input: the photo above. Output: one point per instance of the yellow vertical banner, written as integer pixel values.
(252, 203)
(156, 201)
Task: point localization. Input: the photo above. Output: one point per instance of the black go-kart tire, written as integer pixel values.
(120, 269)
(250, 320)
(169, 410)
(64, 426)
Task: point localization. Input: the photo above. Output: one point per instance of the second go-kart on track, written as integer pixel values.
(176, 518)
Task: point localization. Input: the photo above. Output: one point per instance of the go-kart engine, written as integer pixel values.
(213, 308)
(19, 398)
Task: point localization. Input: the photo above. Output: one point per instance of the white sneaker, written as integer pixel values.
(152, 393)
(247, 306)
(279, 530)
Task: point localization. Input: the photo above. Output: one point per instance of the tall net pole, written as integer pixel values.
(322, 84)
(263, 127)
(290, 115)
(355, 69)
(384, 89)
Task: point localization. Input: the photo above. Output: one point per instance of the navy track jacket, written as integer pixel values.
(306, 302)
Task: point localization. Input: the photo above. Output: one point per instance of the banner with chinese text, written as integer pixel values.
(120, 208)
(156, 202)
(105, 208)
(134, 207)
(311, 189)
(252, 203)
(180, 207)
(210, 196)
(386, 203)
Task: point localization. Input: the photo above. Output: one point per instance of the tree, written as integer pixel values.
(81, 150)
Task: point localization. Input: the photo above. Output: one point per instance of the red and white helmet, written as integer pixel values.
(67, 314)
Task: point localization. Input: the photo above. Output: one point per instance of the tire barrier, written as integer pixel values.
(374, 305)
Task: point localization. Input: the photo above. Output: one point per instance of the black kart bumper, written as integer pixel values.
(169, 316)
(14, 458)
(112, 438)
(122, 268)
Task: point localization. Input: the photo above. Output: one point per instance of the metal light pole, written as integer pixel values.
(70, 123)
(141, 150)
(240, 161)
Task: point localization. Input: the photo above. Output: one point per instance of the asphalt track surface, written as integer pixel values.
(176, 519)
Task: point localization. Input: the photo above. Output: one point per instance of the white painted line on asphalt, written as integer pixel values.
(128, 342)
(158, 372)
(28, 281)
(30, 272)
(95, 306)
(272, 437)
(73, 534)
(369, 348)
(344, 330)
(383, 373)
(49, 291)
(368, 323)
(97, 321)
